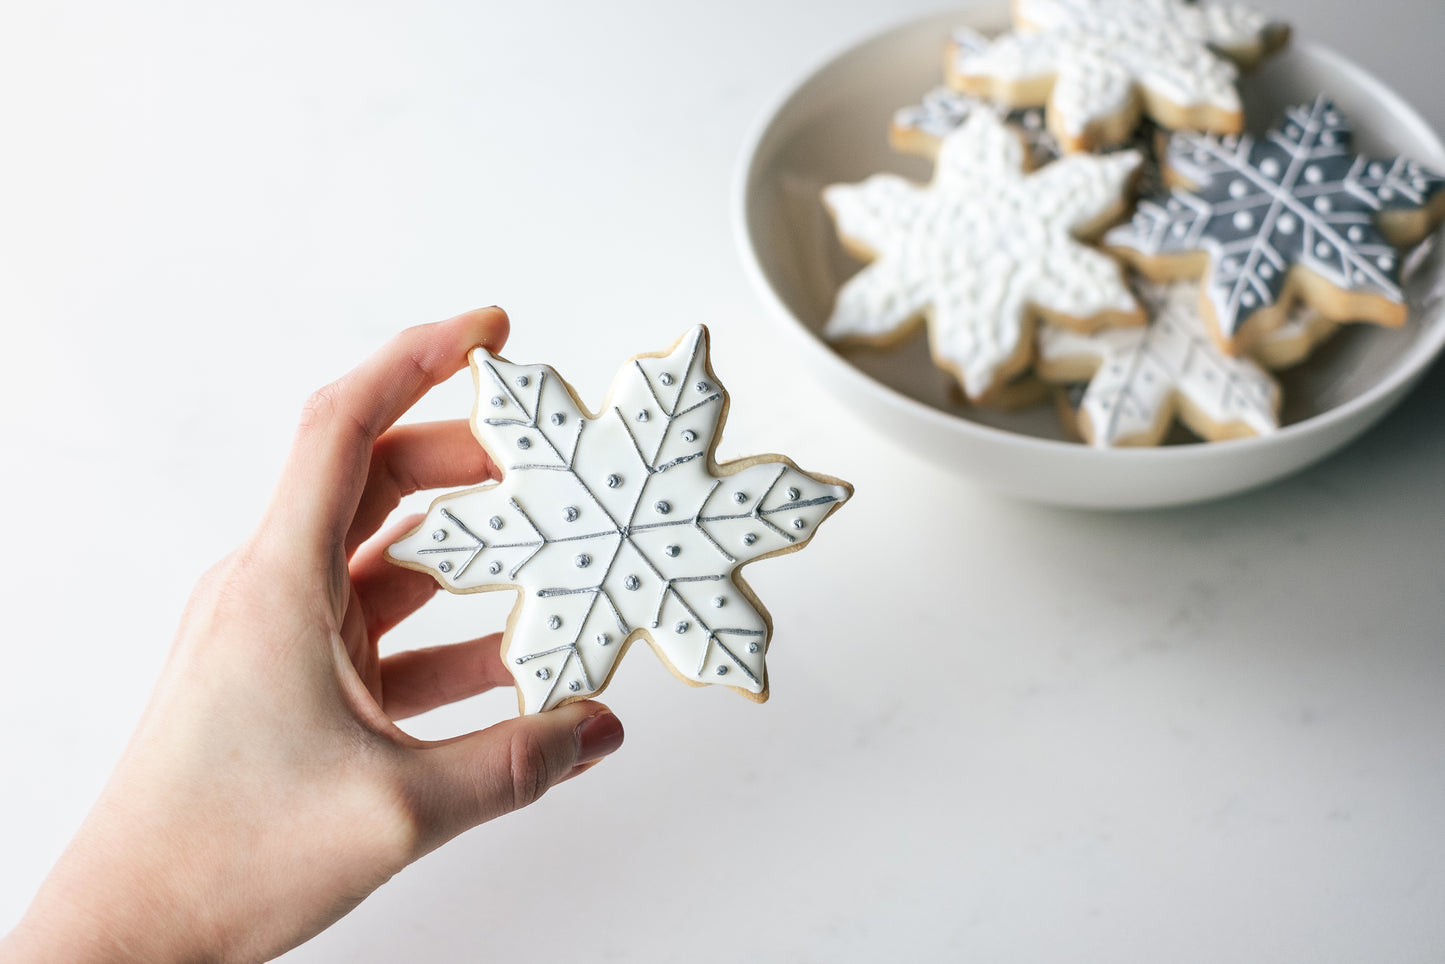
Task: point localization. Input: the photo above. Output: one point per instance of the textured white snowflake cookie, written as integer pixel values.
(1293, 215)
(618, 526)
(1099, 64)
(981, 253)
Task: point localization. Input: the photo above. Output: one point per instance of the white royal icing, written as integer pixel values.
(617, 525)
(980, 249)
(1143, 372)
(1097, 51)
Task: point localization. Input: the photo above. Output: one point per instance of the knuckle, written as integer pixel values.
(531, 769)
(395, 821)
(320, 406)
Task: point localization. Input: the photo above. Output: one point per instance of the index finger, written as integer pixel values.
(325, 474)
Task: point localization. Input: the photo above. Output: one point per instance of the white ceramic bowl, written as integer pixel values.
(832, 127)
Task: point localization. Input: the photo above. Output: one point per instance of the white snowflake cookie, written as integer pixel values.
(1139, 379)
(981, 253)
(1099, 64)
(618, 526)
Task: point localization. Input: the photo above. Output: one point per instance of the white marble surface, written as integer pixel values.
(997, 732)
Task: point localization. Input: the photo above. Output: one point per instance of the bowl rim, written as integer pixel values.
(1422, 354)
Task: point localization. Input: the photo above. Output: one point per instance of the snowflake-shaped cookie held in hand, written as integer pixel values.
(1288, 216)
(1097, 64)
(1140, 378)
(618, 526)
(982, 253)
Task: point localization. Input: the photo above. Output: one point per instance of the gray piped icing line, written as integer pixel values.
(613, 524)
(1296, 196)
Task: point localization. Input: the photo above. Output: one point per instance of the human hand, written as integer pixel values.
(267, 790)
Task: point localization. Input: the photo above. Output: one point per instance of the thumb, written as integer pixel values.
(461, 783)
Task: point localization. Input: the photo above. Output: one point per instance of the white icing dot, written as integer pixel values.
(1323, 250)
(1323, 204)
(1229, 265)
(1179, 229)
(1313, 174)
(554, 622)
(1377, 170)
(1286, 224)
(1248, 299)
(1355, 234)
(1243, 220)
(1269, 167)
(1266, 271)
(1238, 188)
(1328, 138)
(1386, 261)
(1421, 185)
(1386, 194)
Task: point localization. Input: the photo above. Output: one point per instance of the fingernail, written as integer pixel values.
(597, 736)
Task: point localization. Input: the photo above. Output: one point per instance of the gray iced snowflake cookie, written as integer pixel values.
(1099, 64)
(618, 526)
(1293, 215)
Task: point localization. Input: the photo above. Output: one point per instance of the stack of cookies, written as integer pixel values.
(1031, 261)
